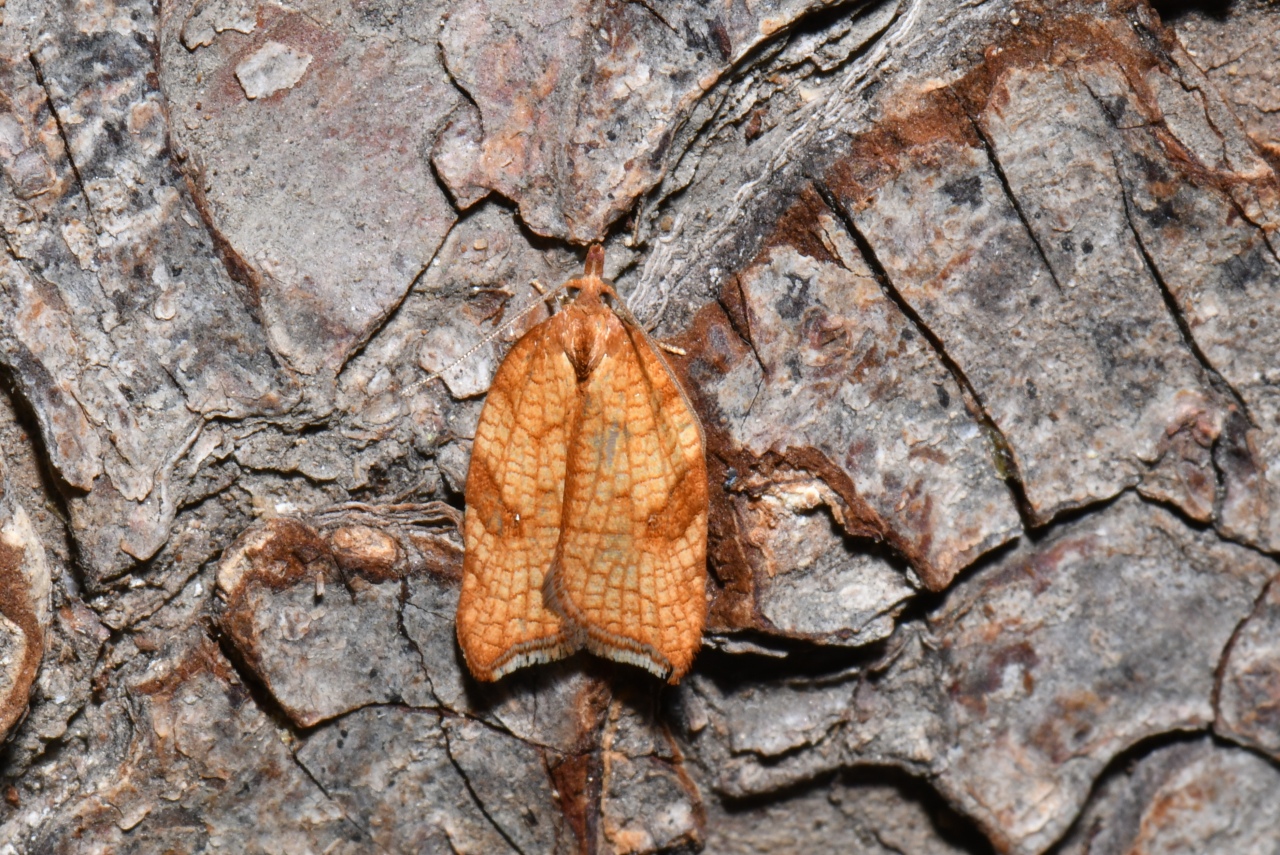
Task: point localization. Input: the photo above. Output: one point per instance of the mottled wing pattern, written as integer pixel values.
(630, 573)
(514, 501)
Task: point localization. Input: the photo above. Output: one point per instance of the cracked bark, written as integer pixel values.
(978, 305)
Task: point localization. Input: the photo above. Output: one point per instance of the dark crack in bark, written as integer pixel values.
(1219, 673)
(1170, 302)
(1004, 460)
(475, 797)
(412, 642)
(66, 141)
(365, 833)
(1012, 197)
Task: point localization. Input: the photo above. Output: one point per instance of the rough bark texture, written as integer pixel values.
(980, 308)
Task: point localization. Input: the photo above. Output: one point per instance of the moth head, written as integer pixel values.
(591, 286)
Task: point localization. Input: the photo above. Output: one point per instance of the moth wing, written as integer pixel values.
(630, 573)
(514, 499)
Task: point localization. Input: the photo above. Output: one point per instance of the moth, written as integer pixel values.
(586, 499)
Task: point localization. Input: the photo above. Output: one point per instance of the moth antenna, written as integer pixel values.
(653, 320)
(543, 295)
(621, 309)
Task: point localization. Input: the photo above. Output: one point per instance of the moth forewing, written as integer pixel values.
(580, 547)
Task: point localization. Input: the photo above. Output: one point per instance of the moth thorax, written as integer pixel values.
(588, 338)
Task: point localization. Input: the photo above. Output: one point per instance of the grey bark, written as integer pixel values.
(979, 305)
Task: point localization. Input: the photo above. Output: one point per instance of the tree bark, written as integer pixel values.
(977, 304)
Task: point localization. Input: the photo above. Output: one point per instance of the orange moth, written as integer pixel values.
(586, 517)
